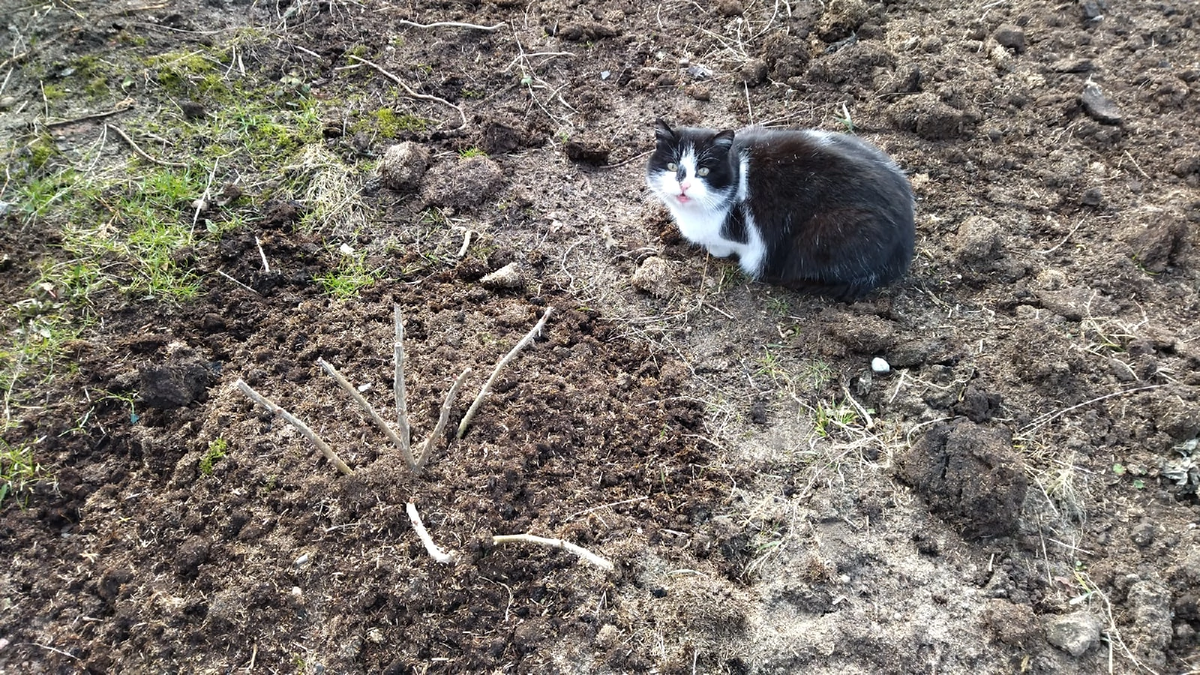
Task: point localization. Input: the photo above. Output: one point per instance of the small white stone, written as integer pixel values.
(301, 560)
(509, 276)
(880, 366)
(296, 591)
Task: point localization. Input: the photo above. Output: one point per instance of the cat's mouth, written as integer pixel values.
(683, 199)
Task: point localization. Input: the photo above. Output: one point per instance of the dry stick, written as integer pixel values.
(626, 161)
(300, 426)
(451, 24)
(1045, 418)
(555, 543)
(88, 118)
(222, 273)
(408, 90)
(261, 254)
(427, 446)
(401, 394)
(434, 552)
(466, 421)
(370, 411)
(142, 153)
(1054, 248)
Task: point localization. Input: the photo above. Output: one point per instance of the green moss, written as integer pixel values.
(41, 151)
(97, 87)
(390, 124)
(54, 92)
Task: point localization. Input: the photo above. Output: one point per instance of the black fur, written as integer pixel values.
(835, 213)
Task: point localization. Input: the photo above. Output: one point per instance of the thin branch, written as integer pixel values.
(466, 421)
(1045, 418)
(398, 383)
(451, 24)
(625, 161)
(443, 557)
(222, 273)
(300, 426)
(261, 254)
(87, 118)
(408, 90)
(142, 153)
(427, 446)
(370, 411)
(587, 555)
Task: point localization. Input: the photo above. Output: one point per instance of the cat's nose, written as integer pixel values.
(685, 185)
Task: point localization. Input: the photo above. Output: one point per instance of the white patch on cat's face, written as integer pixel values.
(698, 209)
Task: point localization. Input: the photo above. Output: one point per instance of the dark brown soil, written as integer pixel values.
(771, 504)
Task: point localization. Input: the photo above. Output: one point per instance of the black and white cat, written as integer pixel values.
(811, 210)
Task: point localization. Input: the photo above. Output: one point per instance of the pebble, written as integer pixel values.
(7, 102)
(1011, 36)
(654, 277)
(880, 366)
(1099, 107)
(508, 276)
(403, 165)
(1074, 633)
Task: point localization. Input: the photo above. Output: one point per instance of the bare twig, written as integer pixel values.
(427, 446)
(1054, 248)
(201, 204)
(94, 116)
(604, 506)
(141, 153)
(466, 242)
(222, 273)
(408, 90)
(466, 421)
(370, 411)
(626, 161)
(398, 382)
(587, 555)
(300, 426)
(261, 254)
(51, 649)
(443, 557)
(451, 24)
(1045, 418)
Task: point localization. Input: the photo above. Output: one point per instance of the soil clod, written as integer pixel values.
(970, 475)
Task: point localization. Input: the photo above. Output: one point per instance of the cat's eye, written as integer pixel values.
(702, 171)
(672, 167)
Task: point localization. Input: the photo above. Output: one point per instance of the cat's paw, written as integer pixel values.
(719, 251)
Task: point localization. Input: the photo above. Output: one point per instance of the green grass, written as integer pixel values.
(19, 471)
(350, 277)
(828, 416)
(217, 450)
(121, 229)
(472, 152)
(816, 374)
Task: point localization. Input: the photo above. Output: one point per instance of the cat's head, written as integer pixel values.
(690, 168)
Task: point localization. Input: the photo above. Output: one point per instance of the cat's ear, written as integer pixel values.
(663, 132)
(723, 140)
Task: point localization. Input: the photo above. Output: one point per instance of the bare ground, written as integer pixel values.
(1016, 489)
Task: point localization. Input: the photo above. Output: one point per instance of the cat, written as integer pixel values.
(816, 211)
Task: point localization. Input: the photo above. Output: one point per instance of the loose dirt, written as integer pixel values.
(772, 505)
